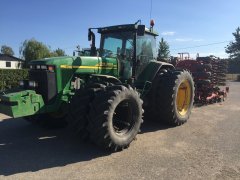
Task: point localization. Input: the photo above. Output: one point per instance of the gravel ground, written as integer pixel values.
(207, 147)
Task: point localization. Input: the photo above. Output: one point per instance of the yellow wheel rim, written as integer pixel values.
(183, 97)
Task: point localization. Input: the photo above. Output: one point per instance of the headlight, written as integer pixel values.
(50, 68)
(44, 67)
(21, 83)
(32, 84)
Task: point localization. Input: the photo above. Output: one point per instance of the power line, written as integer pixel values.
(191, 47)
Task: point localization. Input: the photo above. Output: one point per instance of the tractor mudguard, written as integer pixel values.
(21, 103)
(150, 71)
(144, 80)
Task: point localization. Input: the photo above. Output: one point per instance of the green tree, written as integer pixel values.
(163, 50)
(33, 49)
(58, 52)
(7, 50)
(233, 49)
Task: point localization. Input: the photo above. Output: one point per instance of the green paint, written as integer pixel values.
(21, 103)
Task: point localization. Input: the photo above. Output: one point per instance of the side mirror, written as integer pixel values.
(141, 30)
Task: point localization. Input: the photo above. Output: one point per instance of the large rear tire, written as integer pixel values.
(115, 117)
(173, 96)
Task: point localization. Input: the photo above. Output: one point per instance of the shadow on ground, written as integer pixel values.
(28, 148)
(151, 126)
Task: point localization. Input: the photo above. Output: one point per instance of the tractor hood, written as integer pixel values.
(80, 64)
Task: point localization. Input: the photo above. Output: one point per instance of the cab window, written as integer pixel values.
(146, 51)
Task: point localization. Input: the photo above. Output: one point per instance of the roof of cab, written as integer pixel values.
(127, 27)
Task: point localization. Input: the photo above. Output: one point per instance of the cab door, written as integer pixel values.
(145, 52)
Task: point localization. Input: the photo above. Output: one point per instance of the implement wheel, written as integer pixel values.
(115, 117)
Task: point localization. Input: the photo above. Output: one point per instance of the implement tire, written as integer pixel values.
(173, 97)
(115, 117)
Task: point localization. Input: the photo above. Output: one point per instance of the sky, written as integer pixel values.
(203, 27)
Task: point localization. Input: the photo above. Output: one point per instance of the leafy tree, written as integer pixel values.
(33, 49)
(233, 49)
(163, 50)
(7, 50)
(58, 52)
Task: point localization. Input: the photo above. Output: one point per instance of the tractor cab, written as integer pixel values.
(133, 45)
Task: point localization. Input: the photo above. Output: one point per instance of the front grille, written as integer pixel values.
(46, 81)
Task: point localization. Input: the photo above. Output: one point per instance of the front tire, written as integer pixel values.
(79, 109)
(115, 117)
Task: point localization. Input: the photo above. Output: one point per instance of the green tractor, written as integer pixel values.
(104, 95)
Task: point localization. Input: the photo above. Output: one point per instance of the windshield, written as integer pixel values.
(115, 44)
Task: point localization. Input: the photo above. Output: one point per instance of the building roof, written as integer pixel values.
(5, 57)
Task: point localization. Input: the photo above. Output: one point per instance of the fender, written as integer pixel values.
(151, 70)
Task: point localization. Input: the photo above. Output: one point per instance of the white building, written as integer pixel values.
(10, 62)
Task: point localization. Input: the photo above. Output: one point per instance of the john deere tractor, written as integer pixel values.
(104, 95)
